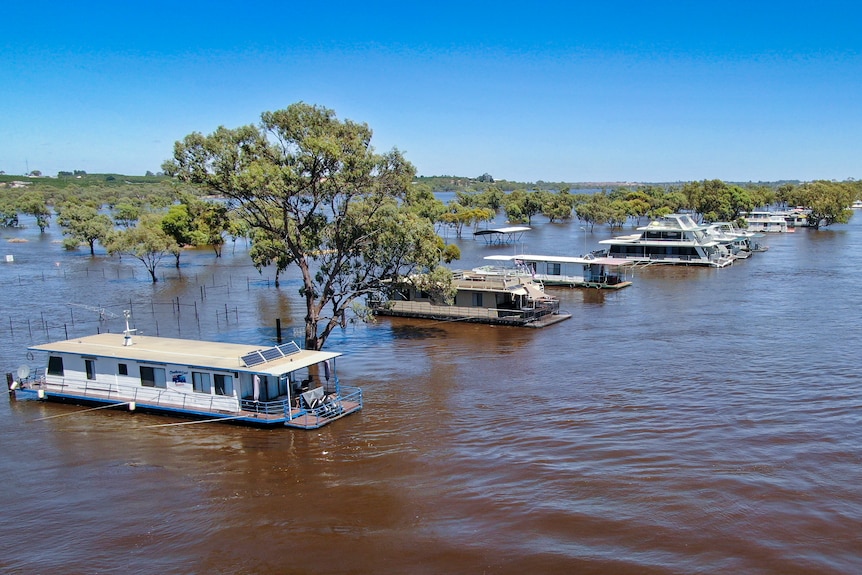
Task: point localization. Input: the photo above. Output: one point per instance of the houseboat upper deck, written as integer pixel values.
(277, 386)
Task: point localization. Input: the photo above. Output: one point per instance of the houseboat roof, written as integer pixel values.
(502, 235)
(509, 230)
(217, 355)
(675, 222)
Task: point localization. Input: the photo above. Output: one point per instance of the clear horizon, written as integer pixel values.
(563, 92)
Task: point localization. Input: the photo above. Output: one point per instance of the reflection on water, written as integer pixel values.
(700, 421)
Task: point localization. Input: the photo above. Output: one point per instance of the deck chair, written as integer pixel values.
(313, 398)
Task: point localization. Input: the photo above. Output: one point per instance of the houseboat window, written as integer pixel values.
(55, 365)
(122, 369)
(554, 269)
(201, 382)
(153, 377)
(91, 368)
(223, 384)
(477, 300)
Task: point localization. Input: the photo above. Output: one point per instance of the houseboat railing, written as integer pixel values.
(150, 395)
(346, 393)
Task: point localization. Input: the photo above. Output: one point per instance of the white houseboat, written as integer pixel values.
(672, 239)
(741, 243)
(277, 386)
(772, 222)
(573, 271)
(480, 298)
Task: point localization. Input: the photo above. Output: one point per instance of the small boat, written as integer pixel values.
(213, 381)
(573, 271)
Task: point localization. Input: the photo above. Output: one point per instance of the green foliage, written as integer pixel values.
(8, 212)
(459, 216)
(146, 242)
(83, 224)
(437, 284)
(593, 208)
(312, 187)
(521, 205)
(828, 201)
(126, 214)
(33, 203)
(422, 201)
(559, 206)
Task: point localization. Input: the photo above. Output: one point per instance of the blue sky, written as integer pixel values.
(554, 91)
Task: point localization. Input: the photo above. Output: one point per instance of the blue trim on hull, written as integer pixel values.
(179, 412)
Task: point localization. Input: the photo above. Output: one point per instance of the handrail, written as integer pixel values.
(151, 395)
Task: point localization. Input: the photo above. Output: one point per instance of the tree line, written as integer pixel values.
(707, 200)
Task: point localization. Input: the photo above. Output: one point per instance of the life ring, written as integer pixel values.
(29, 356)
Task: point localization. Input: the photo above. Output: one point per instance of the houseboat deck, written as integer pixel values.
(425, 310)
(259, 414)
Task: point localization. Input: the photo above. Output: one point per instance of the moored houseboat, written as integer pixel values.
(741, 243)
(480, 298)
(771, 222)
(265, 387)
(572, 271)
(672, 239)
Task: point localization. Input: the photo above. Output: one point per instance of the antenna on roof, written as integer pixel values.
(127, 335)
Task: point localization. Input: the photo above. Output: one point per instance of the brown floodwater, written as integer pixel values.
(700, 421)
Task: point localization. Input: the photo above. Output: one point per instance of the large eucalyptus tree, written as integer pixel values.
(312, 185)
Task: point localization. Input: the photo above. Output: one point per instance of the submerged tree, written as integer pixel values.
(828, 201)
(84, 224)
(146, 242)
(34, 204)
(313, 186)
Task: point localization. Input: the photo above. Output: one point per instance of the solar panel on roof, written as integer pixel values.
(252, 359)
(271, 353)
(289, 348)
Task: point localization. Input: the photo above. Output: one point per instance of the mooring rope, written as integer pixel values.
(82, 411)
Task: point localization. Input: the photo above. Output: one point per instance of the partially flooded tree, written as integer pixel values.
(83, 224)
(146, 242)
(313, 186)
(829, 202)
(34, 204)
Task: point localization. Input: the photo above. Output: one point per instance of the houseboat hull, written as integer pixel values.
(298, 418)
